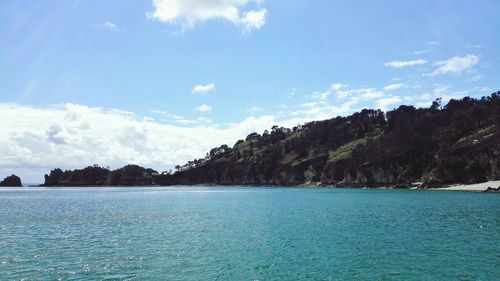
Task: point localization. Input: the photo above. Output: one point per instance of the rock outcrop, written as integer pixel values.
(11, 181)
(492, 190)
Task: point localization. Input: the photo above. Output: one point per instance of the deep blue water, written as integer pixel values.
(202, 233)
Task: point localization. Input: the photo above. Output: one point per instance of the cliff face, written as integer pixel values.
(130, 175)
(11, 181)
(458, 143)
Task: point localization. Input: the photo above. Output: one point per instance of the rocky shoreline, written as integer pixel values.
(133, 176)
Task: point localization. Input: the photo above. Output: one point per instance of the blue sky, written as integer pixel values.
(255, 63)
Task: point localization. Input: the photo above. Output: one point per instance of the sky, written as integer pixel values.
(160, 82)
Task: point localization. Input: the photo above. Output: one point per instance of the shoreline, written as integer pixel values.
(477, 187)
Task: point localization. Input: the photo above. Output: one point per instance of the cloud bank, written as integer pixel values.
(34, 140)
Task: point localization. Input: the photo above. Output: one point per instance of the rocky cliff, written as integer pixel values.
(11, 181)
(455, 143)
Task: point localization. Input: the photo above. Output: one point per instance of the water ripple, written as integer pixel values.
(203, 233)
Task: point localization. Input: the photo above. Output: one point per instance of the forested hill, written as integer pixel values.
(455, 143)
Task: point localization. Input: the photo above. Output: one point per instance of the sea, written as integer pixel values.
(247, 233)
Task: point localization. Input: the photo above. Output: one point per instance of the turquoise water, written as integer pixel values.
(203, 233)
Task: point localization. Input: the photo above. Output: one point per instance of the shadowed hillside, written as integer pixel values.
(455, 143)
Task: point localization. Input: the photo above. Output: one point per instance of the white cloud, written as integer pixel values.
(343, 101)
(255, 109)
(253, 20)
(370, 94)
(384, 103)
(433, 43)
(291, 93)
(338, 86)
(423, 104)
(475, 78)
(310, 104)
(203, 108)
(425, 96)
(34, 140)
(482, 89)
(420, 52)
(110, 25)
(363, 94)
(106, 25)
(321, 95)
(455, 65)
(440, 91)
(394, 86)
(346, 100)
(318, 111)
(173, 118)
(190, 12)
(203, 89)
(401, 64)
(443, 92)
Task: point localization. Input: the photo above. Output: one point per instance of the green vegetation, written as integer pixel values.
(477, 135)
(345, 151)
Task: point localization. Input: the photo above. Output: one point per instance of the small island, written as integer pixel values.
(11, 181)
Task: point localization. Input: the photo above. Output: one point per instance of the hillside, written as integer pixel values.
(455, 143)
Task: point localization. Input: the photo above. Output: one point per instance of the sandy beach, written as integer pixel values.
(471, 187)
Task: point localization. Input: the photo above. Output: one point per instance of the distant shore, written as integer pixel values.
(477, 187)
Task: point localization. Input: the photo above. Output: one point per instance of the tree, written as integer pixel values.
(436, 104)
(252, 136)
(238, 143)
